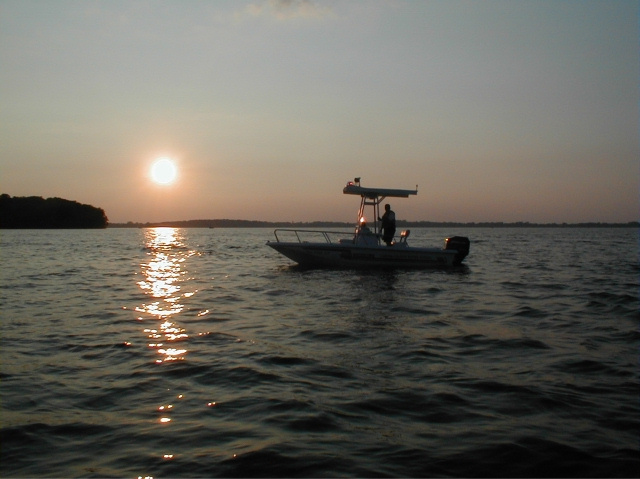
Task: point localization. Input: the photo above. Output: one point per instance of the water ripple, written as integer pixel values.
(200, 353)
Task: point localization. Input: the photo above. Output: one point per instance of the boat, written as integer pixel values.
(364, 247)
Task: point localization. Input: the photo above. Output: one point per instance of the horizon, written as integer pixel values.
(428, 223)
(498, 111)
(400, 221)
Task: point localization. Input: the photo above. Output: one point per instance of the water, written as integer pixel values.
(203, 353)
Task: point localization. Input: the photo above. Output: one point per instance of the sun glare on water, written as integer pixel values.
(164, 171)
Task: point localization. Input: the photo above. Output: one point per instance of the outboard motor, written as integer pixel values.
(461, 244)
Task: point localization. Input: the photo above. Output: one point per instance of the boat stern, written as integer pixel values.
(461, 244)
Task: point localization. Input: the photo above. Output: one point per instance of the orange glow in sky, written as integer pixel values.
(263, 109)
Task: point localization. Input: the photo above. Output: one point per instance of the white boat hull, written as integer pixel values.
(365, 248)
(337, 255)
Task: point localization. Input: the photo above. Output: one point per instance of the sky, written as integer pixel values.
(514, 110)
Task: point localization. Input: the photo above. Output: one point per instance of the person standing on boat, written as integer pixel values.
(388, 224)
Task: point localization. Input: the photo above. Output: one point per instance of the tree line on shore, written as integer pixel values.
(229, 223)
(37, 212)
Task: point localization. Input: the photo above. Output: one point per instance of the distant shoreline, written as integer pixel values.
(226, 223)
(35, 212)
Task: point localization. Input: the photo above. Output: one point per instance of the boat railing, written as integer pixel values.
(303, 236)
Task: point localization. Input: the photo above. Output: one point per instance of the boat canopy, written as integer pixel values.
(372, 193)
(373, 197)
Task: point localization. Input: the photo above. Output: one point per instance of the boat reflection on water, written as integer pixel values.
(162, 275)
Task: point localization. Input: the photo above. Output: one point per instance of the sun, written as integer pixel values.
(164, 171)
